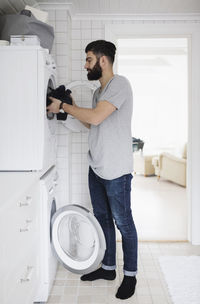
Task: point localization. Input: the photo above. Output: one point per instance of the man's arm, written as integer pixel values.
(87, 125)
(89, 116)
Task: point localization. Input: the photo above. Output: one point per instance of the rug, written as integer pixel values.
(182, 275)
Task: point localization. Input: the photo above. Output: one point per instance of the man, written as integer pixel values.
(110, 159)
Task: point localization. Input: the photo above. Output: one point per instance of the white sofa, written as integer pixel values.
(143, 164)
(171, 167)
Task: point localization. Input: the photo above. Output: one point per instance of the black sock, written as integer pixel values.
(127, 288)
(99, 274)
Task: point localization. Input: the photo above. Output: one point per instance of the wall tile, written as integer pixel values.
(76, 55)
(62, 163)
(76, 158)
(61, 60)
(76, 24)
(83, 75)
(61, 38)
(76, 75)
(76, 179)
(76, 147)
(77, 188)
(61, 15)
(61, 26)
(51, 15)
(62, 72)
(96, 24)
(62, 49)
(62, 140)
(76, 137)
(76, 44)
(85, 198)
(97, 34)
(76, 198)
(84, 147)
(85, 24)
(84, 43)
(76, 34)
(62, 151)
(86, 34)
(76, 65)
(84, 158)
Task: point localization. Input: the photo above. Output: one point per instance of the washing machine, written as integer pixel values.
(28, 134)
(70, 235)
(72, 123)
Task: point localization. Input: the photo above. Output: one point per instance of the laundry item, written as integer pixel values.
(25, 23)
(61, 94)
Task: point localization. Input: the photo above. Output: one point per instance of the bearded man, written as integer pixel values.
(110, 161)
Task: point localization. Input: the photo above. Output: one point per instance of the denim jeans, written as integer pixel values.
(111, 203)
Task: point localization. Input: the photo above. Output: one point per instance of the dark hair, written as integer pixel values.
(102, 47)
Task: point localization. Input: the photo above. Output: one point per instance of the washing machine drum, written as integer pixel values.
(78, 239)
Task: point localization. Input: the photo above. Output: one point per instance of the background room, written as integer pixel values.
(157, 68)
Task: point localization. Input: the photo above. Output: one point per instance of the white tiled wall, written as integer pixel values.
(71, 38)
(62, 52)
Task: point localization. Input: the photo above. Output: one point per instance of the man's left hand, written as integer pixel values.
(54, 106)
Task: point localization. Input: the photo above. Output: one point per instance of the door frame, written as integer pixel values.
(191, 31)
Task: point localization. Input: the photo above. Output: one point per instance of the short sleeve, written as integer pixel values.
(116, 92)
(94, 98)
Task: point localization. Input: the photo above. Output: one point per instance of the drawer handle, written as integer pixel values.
(26, 203)
(25, 229)
(28, 275)
(22, 204)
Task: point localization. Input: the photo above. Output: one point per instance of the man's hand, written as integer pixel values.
(54, 106)
(73, 102)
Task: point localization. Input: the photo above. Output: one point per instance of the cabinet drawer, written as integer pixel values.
(21, 225)
(22, 282)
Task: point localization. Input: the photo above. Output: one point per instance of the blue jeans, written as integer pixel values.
(111, 200)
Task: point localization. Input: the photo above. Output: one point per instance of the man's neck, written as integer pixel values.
(105, 79)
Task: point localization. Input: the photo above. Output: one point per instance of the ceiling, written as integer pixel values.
(132, 6)
(114, 7)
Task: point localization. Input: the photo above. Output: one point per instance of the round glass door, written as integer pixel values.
(78, 239)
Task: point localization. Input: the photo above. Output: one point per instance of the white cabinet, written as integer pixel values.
(19, 237)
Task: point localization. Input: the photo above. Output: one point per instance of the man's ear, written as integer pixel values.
(103, 61)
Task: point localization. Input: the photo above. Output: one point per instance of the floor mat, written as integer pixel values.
(182, 275)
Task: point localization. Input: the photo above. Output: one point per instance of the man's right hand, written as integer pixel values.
(54, 106)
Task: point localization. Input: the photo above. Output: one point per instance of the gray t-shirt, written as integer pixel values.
(110, 143)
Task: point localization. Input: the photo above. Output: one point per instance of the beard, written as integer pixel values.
(95, 73)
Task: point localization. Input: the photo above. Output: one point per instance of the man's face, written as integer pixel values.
(93, 67)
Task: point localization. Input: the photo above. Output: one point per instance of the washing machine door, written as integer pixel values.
(77, 239)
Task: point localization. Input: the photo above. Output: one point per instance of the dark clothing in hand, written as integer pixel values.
(61, 94)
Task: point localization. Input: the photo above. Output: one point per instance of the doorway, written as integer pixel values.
(176, 26)
(157, 69)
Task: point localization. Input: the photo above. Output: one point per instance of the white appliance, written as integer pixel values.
(72, 123)
(71, 235)
(28, 140)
